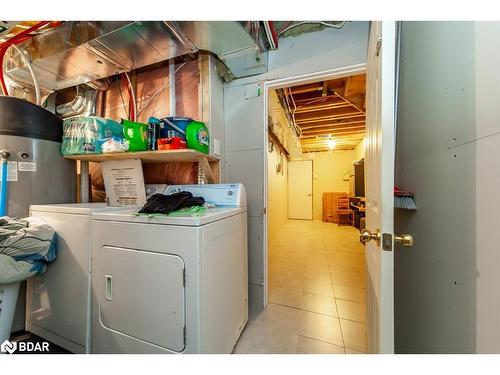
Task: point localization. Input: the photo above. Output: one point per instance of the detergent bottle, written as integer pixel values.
(197, 137)
(137, 135)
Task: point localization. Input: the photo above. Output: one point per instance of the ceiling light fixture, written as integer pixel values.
(331, 144)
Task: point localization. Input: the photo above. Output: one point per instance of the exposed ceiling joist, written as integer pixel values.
(338, 125)
(333, 109)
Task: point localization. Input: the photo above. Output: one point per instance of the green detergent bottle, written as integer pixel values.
(137, 135)
(197, 137)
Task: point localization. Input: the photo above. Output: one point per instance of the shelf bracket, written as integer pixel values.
(207, 170)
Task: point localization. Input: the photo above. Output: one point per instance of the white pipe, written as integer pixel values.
(33, 75)
(134, 102)
(171, 78)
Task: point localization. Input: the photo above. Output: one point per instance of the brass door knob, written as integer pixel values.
(365, 236)
(405, 239)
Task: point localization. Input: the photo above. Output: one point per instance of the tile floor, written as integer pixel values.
(316, 293)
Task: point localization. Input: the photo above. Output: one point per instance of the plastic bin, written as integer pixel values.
(8, 301)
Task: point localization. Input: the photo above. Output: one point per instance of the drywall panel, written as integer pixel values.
(243, 112)
(487, 88)
(255, 254)
(435, 158)
(247, 167)
(317, 51)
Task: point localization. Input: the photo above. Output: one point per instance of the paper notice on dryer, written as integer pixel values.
(124, 182)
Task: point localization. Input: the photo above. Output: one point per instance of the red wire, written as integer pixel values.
(18, 38)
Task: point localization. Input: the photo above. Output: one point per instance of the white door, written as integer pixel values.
(379, 186)
(300, 190)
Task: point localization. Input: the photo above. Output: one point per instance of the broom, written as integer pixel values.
(404, 199)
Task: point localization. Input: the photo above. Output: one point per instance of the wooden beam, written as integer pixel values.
(274, 138)
(322, 114)
(334, 125)
(319, 107)
(309, 87)
(334, 133)
(326, 99)
(331, 120)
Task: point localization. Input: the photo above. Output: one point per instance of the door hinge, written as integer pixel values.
(378, 46)
(184, 334)
(184, 277)
(387, 241)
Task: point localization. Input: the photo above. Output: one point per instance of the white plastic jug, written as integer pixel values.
(8, 301)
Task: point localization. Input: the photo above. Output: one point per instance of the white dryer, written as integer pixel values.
(58, 301)
(171, 284)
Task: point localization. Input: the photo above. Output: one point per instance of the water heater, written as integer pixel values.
(36, 171)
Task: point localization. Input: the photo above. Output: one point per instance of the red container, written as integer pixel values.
(172, 143)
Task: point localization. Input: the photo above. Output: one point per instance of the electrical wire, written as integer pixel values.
(132, 95)
(121, 96)
(159, 90)
(33, 75)
(18, 38)
(335, 26)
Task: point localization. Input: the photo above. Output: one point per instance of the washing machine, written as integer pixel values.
(171, 284)
(58, 302)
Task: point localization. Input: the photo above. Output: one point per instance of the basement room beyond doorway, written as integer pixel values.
(315, 207)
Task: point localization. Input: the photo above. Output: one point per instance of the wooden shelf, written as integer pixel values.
(209, 163)
(177, 156)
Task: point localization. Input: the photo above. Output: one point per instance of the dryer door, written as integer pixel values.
(141, 295)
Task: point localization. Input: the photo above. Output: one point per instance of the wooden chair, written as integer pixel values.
(343, 210)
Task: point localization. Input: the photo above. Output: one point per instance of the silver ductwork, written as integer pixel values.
(82, 105)
(81, 52)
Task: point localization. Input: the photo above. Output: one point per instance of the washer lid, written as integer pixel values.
(75, 208)
(128, 215)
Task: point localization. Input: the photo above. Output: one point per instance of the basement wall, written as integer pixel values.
(243, 115)
(329, 170)
(446, 107)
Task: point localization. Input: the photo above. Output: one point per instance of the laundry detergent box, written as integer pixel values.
(86, 135)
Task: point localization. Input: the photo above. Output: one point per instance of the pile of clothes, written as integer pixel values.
(180, 203)
(26, 247)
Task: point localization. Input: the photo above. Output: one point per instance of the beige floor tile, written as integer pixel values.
(273, 341)
(352, 351)
(349, 293)
(320, 327)
(312, 346)
(346, 279)
(245, 339)
(351, 310)
(354, 335)
(279, 317)
(288, 281)
(319, 304)
(317, 286)
(314, 274)
(285, 296)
